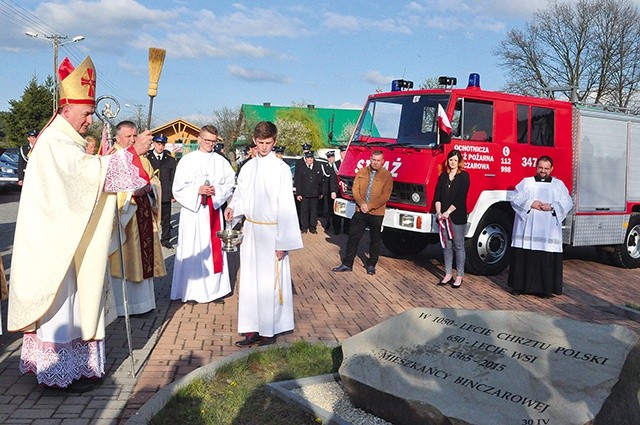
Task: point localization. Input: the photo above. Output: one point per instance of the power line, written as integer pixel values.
(30, 21)
(19, 14)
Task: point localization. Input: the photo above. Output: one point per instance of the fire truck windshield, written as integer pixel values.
(407, 120)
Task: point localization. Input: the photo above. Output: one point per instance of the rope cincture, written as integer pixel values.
(277, 284)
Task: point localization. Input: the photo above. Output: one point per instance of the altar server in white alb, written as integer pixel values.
(540, 203)
(203, 182)
(264, 196)
(64, 223)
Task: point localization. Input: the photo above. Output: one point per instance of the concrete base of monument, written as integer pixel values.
(629, 313)
(325, 398)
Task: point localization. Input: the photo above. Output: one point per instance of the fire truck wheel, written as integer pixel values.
(401, 242)
(488, 249)
(627, 254)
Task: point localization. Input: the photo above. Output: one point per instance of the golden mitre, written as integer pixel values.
(77, 85)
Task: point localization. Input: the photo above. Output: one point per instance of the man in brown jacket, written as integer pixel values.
(371, 190)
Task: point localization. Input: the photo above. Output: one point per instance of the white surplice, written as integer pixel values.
(193, 274)
(264, 195)
(140, 290)
(534, 229)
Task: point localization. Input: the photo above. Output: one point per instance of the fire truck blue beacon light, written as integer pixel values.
(474, 80)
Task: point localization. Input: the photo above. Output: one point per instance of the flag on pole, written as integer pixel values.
(443, 121)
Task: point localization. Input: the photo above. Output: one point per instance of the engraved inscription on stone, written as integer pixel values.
(488, 367)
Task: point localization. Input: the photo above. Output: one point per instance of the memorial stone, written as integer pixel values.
(449, 366)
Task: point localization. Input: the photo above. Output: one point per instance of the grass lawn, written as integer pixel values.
(237, 393)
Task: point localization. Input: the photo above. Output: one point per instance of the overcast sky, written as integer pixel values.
(331, 53)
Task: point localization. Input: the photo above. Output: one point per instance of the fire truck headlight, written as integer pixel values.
(415, 197)
(407, 220)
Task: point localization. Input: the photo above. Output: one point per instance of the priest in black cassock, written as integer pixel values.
(540, 203)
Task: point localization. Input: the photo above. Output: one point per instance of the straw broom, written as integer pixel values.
(156, 60)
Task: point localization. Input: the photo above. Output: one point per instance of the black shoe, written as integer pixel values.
(371, 270)
(249, 339)
(218, 301)
(445, 282)
(341, 268)
(314, 231)
(267, 340)
(304, 231)
(167, 245)
(453, 285)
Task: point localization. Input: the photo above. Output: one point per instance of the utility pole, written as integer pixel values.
(139, 117)
(139, 120)
(55, 41)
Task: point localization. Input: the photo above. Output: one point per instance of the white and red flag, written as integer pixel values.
(104, 142)
(443, 120)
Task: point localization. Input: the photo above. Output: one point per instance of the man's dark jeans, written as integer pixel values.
(356, 229)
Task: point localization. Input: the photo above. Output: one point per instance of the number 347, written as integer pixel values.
(529, 161)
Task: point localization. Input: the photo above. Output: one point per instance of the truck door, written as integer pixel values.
(473, 135)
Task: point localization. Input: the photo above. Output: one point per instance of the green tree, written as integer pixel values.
(95, 129)
(3, 120)
(295, 127)
(32, 111)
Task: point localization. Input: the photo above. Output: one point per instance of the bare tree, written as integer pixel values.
(620, 21)
(591, 45)
(226, 120)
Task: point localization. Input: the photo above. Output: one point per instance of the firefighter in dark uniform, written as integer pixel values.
(164, 165)
(279, 151)
(249, 152)
(24, 151)
(309, 183)
(306, 147)
(332, 192)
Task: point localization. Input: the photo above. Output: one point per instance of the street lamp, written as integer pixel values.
(55, 39)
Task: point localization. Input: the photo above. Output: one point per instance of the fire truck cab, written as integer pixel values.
(596, 154)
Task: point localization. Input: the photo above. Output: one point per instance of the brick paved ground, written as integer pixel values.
(178, 338)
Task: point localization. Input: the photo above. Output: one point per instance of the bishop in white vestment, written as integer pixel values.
(264, 196)
(65, 219)
(200, 271)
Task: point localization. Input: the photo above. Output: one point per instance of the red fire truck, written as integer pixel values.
(596, 153)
